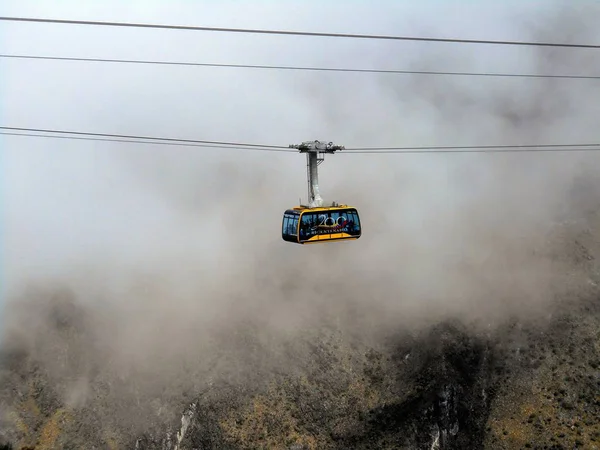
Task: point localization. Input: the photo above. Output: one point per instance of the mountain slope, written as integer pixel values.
(527, 381)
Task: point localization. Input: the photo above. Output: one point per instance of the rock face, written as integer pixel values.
(527, 382)
(523, 386)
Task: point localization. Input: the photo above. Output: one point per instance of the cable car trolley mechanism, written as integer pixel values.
(318, 222)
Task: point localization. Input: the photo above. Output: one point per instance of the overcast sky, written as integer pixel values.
(72, 207)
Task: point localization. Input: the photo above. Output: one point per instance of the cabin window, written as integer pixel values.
(290, 224)
(327, 222)
(293, 225)
(353, 216)
(284, 225)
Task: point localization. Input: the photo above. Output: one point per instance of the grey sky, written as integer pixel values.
(82, 210)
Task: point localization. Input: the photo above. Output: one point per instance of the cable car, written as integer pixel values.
(318, 222)
(305, 225)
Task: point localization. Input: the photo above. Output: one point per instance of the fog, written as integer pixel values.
(162, 246)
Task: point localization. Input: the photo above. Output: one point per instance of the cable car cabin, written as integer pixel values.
(304, 225)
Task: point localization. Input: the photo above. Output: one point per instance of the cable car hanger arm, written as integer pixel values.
(314, 156)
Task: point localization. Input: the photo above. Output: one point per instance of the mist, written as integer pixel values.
(169, 253)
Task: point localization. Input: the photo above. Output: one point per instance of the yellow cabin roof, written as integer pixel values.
(322, 208)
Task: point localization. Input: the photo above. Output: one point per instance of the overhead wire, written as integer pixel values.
(150, 142)
(106, 137)
(298, 68)
(217, 144)
(126, 136)
(487, 149)
(294, 33)
(478, 148)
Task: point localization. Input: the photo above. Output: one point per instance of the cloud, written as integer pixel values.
(166, 247)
